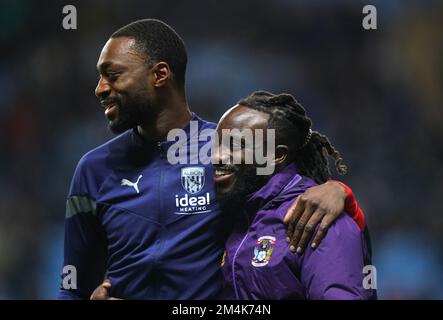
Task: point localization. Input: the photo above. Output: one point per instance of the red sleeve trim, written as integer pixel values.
(352, 208)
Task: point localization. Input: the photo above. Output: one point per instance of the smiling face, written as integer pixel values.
(125, 87)
(234, 181)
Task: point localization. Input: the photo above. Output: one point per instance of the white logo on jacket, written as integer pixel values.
(126, 182)
(193, 179)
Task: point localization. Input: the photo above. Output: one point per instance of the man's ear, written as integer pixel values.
(162, 73)
(281, 154)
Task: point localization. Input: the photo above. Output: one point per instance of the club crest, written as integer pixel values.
(193, 179)
(262, 251)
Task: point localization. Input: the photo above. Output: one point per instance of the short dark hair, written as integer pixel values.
(160, 43)
(308, 149)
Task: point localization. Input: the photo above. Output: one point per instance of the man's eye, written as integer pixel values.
(112, 76)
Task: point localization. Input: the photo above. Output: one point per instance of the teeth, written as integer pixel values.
(109, 108)
(221, 172)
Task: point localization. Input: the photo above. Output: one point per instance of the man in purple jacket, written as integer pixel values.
(258, 263)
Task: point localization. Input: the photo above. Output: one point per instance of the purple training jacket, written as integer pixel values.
(259, 265)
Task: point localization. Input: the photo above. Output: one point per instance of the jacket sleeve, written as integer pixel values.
(335, 269)
(85, 245)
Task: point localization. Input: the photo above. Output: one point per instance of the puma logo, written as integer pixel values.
(126, 182)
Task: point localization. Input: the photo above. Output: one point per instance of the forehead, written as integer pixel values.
(241, 117)
(122, 51)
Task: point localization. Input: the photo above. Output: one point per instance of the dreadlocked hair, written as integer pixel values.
(308, 149)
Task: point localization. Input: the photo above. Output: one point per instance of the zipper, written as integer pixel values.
(160, 149)
(161, 153)
(161, 220)
(233, 265)
(160, 187)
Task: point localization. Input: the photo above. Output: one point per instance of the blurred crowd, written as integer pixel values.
(377, 94)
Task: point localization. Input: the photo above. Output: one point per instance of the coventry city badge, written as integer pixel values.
(263, 250)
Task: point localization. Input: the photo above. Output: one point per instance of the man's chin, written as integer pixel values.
(118, 127)
(231, 195)
(236, 192)
(228, 198)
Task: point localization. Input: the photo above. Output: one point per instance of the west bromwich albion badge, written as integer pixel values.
(193, 179)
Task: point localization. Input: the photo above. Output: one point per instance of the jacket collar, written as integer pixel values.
(138, 142)
(274, 190)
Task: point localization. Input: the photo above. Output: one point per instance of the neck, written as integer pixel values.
(172, 116)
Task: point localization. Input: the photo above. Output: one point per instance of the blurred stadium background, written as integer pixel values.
(377, 94)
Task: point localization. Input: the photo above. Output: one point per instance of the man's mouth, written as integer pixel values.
(223, 175)
(111, 110)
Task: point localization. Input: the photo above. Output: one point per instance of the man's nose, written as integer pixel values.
(220, 155)
(103, 89)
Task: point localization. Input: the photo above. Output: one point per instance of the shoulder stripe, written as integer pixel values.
(79, 204)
